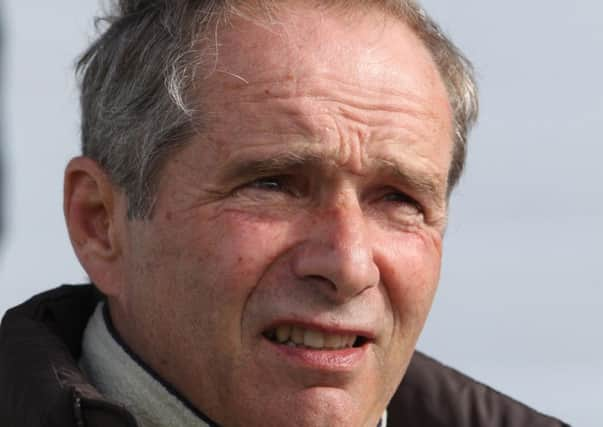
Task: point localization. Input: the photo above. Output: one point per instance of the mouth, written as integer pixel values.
(313, 339)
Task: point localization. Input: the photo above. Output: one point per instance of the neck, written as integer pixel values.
(122, 376)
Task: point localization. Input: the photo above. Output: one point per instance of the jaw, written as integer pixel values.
(307, 387)
(315, 406)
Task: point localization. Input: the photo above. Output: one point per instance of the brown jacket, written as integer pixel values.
(42, 386)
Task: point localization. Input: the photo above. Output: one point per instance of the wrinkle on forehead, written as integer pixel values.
(329, 87)
(349, 82)
(326, 114)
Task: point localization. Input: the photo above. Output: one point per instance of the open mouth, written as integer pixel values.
(296, 336)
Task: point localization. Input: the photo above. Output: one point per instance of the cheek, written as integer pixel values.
(410, 268)
(215, 262)
(247, 246)
(202, 272)
(231, 244)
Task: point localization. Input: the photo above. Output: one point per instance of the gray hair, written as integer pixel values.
(137, 81)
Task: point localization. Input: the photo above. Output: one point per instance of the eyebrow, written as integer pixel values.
(287, 162)
(419, 182)
(274, 165)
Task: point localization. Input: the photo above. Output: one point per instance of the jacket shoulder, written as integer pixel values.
(435, 395)
(40, 382)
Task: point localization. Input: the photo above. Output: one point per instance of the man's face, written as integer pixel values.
(295, 245)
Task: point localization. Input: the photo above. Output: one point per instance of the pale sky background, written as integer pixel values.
(520, 305)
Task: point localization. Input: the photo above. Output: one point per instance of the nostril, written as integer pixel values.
(339, 272)
(321, 280)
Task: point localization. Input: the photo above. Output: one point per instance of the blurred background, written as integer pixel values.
(520, 305)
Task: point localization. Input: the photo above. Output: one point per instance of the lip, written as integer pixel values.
(343, 360)
(336, 330)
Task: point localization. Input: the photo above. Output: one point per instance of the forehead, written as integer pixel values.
(298, 43)
(323, 75)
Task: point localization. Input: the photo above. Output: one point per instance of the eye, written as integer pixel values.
(269, 183)
(404, 201)
(279, 184)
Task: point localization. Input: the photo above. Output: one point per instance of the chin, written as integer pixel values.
(321, 407)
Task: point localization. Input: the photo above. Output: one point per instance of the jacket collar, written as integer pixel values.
(41, 382)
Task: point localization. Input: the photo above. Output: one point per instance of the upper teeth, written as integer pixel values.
(294, 335)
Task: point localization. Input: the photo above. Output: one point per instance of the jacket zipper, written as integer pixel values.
(77, 409)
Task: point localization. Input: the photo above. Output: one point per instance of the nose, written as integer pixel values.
(336, 254)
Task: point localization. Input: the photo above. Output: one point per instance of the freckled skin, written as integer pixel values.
(335, 243)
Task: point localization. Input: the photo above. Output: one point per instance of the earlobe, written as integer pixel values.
(92, 212)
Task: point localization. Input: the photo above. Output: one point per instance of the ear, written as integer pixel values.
(95, 212)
